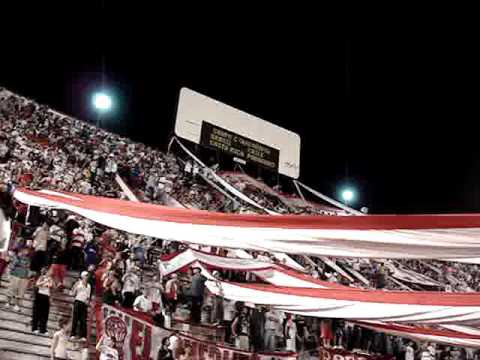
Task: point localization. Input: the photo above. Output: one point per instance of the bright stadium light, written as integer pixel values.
(101, 101)
(348, 195)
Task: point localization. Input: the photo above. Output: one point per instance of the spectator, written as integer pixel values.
(326, 332)
(171, 293)
(58, 349)
(111, 166)
(90, 251)
(131, 285)
(187, 353)
(110, 294)
(257, 328)
(40, 238)
(241, 329)
(196, 293)
(217, 304)
(164, 353)
(425, 354)
(131, 263)
(81, 291)
(59, 266)
(229, 312)
(272, 323)
(409, 352)
(291, 333)
(19, 275)
(155, 290)
(142, 303)
(41, 303)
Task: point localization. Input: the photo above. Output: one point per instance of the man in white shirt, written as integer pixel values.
(40, 238)
(409, 352)
(229, 311)
(425, 354)
(272, 323)
(111, 165)
(142, 303)
(81, 292)
(432, 350)
(131, 284)
(131, 263)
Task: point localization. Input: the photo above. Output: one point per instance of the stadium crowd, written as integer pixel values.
(42, 149)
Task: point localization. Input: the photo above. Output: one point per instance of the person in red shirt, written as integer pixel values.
(171, 293)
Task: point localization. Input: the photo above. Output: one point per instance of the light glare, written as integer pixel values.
(348, 195)
(102, 101)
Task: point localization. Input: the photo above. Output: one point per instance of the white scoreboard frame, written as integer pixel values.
(194, 108)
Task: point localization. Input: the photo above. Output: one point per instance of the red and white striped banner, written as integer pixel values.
(375, 236)
(447, 337)
(275, 274)
(420, 307)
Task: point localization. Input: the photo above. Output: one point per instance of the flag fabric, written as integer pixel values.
(456, 237)
(421, 307)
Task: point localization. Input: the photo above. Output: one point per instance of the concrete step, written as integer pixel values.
(25, 314)
(25, 348)
(24, 327)
(20, 351)
(28, 304)
(16, 339)
(24, 319)
(25, 337)
(27, 311)
(11, 351)
(23, 324)
(15, 355)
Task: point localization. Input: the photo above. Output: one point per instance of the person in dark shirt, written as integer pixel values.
(90, 251)
(257, 328)
(164, 353)
(71, 225)
(195, 293)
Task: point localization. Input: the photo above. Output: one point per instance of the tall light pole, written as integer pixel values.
(102, 102)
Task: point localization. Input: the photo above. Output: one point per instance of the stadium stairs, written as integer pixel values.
(16, 339)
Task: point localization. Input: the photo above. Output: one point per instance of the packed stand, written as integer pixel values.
(42, 149)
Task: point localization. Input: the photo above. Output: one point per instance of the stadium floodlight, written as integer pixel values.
(348, 195)
(101, 101)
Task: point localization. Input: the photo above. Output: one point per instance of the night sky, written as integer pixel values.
(392, 112)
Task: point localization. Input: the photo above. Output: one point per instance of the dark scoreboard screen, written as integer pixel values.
(241, 147)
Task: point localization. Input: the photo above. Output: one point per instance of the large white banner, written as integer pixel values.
(373, 236)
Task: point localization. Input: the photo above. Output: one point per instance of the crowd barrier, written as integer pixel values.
(143, 340)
